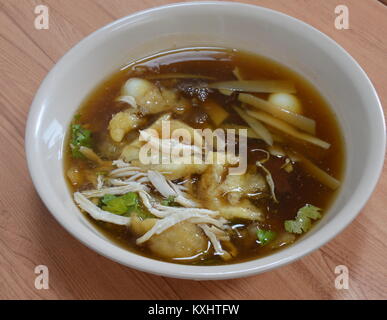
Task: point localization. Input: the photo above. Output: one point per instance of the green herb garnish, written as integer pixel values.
(80, 137)
(107, 198)
(124, 205)
(265, 236)
(303, 221)
(121, 205)
(170, 201)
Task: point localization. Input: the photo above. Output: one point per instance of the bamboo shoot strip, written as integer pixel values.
(258, 86)
(257, 126)
(295, 119)
(286, 128)
(319, 174)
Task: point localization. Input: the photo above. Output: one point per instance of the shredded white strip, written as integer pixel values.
(187, 210)
(117, 182)
(100, 180)
(132, 187)
(182, 196)
(97, 213)
(122, 164)
(161, 184)
(216, 222)
(169, 189)
(269, 180)
(137, 175)
(220, 234)
(215, 242)
(143, 180)
(164, 224)
(167, 145)
(123, 172)
(146, 200)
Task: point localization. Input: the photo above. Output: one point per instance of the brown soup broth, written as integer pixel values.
(293, 190)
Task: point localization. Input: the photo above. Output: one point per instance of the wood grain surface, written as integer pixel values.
(29, 236)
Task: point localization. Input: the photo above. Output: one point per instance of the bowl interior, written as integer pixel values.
(284, 39)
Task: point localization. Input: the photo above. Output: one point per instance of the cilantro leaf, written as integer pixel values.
(131, 199)
(310, 211)
(170, 201)
(107, 197)
(79, 137)
(303, 221)
(121, 205)
(265, 236)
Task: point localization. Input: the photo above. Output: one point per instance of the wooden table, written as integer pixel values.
(29, 236)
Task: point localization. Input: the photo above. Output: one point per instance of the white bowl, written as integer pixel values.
(293, 43)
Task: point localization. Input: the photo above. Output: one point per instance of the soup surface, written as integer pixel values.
(265, 171)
